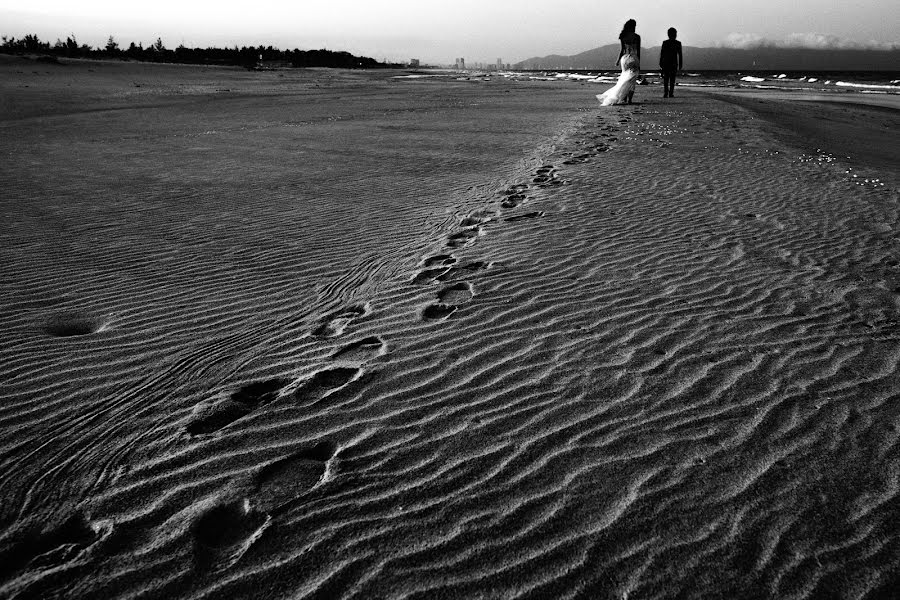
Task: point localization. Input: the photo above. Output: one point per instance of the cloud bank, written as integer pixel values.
(816, 41)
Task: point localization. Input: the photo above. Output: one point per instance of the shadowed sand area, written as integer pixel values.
(318, 334)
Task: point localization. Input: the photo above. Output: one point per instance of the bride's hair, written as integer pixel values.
(630, 26)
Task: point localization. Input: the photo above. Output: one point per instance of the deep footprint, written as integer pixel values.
(334, 324)
(530, 215)
(458, 293)
(324, 382)
(241, 403)
(515, 189)
(438, 312)
(292, 476)
(363, 349)
(43, 549)
(478, 218)
(513, 201)
(224, 533)
(461, 238)
(429, 275)
(464, 270)
(439, 260)
(72, 325)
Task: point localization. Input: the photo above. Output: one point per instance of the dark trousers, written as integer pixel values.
(669, 81)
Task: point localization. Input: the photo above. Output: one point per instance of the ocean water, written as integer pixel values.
(861, 82)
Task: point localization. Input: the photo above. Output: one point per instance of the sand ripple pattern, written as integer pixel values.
(656, 358)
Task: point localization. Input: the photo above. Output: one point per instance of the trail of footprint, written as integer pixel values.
(334, 324)
(324, 383)
(529, 215)
(241, 403)
(361, 350)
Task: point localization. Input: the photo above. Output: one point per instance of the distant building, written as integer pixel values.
(499, 64)
(461, 63)
(414, 63)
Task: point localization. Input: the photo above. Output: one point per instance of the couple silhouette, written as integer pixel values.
(670, 62)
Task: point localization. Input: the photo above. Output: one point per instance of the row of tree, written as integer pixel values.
(247, 56)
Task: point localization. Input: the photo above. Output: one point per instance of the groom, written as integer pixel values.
(670, 62)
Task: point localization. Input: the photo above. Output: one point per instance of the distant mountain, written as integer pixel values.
(729, 59)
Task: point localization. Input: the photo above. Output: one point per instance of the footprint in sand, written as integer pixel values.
(449, 300)
(439, 260)
(73, 324)
(429, 275)
(323, 383)
(464, 270)
(284, 480)
(334, 324)
(478, 218)
(575, 160)
(463, 238)
(529, 215)
(43, 549)
(224, 533)
(241, 403)
(512, 190)
(433, 268)
(545, 176)
(457, 293)
(438, 312)
(513, 201)
(361, 350)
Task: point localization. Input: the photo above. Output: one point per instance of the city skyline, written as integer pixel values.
(399, 30)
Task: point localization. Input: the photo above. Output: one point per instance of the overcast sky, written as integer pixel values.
(438, 31)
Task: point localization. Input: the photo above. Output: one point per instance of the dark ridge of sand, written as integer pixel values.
(342, 336)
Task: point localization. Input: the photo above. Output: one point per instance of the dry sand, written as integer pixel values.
(332, 334)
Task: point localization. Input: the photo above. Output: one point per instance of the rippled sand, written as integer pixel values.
(332, 334)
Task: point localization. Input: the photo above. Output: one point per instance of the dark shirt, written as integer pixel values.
(670, 55)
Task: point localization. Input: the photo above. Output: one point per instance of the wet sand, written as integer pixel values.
(317, 334)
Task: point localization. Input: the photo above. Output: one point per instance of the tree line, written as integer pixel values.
(246, 56)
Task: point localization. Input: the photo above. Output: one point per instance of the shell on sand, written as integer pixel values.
(254, 340)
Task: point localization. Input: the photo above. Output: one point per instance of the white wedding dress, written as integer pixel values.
(619, 93)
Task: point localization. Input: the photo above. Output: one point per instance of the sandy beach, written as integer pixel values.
(351, 334)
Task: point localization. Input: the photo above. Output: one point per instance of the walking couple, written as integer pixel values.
(630, 62)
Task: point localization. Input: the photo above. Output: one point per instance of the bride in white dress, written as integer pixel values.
(630, 61)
